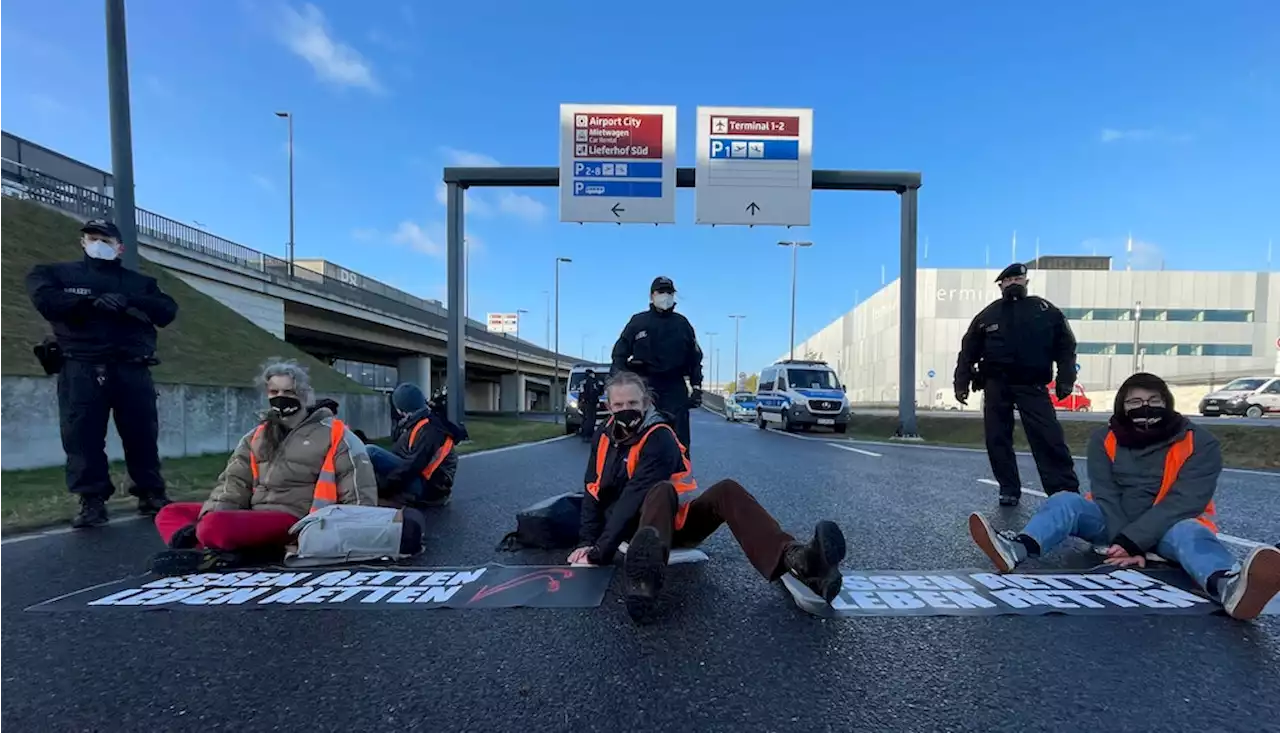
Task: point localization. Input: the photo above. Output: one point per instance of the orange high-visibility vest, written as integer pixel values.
(1178, 454)
(326, 492)
(682, 480)
(441, 453)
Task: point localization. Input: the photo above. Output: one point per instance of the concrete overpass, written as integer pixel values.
(322, 308)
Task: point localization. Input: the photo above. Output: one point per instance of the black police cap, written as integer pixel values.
(662, 285)
(1017, 269)
(101, 226)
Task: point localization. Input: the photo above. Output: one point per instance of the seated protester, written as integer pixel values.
(420, 468)
(1153, 474)
(637, 476)
(297, 460)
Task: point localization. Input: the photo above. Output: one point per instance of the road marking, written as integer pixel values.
(1241, 541)
(1024, 454)
(517, 446)
(855, 450)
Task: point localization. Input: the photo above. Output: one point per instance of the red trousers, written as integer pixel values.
(232, 529)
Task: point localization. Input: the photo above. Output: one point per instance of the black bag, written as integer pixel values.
(551, 524)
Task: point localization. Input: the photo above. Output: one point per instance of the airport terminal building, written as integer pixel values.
(1189, 327)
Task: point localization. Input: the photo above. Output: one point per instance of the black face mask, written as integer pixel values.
(285, 405)
(626, 422)
(1014, 292)
(1152, 417)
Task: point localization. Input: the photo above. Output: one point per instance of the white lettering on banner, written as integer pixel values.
(965, 294)
(919, 593)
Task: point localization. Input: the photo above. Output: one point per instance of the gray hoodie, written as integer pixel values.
(1126, 489)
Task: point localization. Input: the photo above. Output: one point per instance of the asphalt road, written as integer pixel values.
(732, 654)
(1260, 422)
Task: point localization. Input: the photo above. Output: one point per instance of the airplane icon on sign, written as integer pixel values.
(719, 124)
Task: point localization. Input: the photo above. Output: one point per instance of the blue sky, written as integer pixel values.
(1074, 123)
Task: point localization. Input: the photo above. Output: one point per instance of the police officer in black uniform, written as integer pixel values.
(661, 346)
(104, 318)
(588, 402)
(1009, 352)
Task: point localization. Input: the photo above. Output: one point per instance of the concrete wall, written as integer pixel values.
(193, 420)
(264, 311)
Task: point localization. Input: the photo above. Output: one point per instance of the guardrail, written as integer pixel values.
(22, 182)
(713, 400)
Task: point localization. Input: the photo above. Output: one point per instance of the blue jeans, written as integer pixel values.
(1187, 543)
(385, 463)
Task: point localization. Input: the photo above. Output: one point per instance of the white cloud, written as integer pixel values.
(410, 234)
(305, 32)
(263, 182)
(468, 159)
(1143, 256)
(1113, 135)
(522, 206)
(509, 203)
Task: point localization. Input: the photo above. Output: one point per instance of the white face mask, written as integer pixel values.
(664, 301)
(100, 250)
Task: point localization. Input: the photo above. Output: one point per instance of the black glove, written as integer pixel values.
(962, 396)
(1063, 391)
(695, 397)
(184, 539)
(111, 302)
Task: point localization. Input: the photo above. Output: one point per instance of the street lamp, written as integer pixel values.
(711, 355)
(519, 380)
(583, 351)
(737, 327)
(289, 116)
(795, 247)
(1137, 334)
(555, 374)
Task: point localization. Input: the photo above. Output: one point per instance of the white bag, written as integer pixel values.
(342, 533)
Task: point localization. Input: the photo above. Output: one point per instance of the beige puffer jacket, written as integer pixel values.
(288, 481)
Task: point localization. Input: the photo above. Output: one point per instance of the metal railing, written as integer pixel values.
(22, 182)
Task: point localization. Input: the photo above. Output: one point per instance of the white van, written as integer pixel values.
(796, 393)
(572, 409)
(1247, 396)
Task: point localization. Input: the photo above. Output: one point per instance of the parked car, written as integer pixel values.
(740, 406)
(1247, 396)
(1077, 401)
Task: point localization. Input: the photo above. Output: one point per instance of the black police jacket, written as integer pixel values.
(660, 345)
(589, 395)
(64, 294)
(1018, 341)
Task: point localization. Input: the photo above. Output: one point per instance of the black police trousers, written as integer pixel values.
(588, 427)
(673, 400)
(87, 394)
(1044, 435)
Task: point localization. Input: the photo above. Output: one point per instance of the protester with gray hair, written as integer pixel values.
(299, 458)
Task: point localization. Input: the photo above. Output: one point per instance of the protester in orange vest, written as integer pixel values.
(1153, 474)
(420, 468)
(638, 487)
(298, 459)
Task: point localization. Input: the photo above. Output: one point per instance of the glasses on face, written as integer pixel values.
(1134, 403)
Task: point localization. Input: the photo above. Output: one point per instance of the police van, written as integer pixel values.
(572, 409)
(796, 393)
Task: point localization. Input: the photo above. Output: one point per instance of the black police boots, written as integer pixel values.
(150, 505)
(93, 513)
(645, 569)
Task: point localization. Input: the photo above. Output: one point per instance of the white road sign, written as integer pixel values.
(504, 322)
(617, 164)
(755, 166)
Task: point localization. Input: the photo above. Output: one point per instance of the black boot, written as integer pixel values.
(186, 562)
(93, 513)
(150, 505)
(1009, 499)
(817, 564)
(644, 568)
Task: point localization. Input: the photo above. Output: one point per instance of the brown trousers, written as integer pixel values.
(726, 502)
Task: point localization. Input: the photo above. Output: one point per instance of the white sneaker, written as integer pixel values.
(1004, 553)
(1247, 592)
